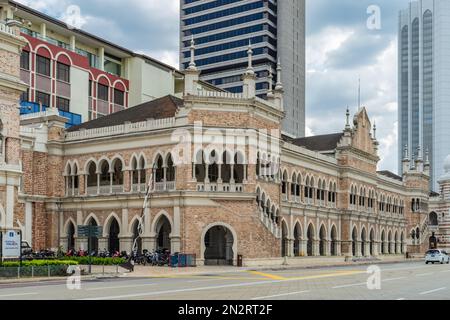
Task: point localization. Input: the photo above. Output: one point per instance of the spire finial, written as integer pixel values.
(427, 157)
(419, 153)
(347, 124)
(250, 58)
(192, 65)
(279, 85)
(270, 92)
(405, 153)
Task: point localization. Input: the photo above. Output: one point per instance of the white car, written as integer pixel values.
(437, 256)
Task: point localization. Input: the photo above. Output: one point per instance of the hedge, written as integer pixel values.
(96, 261)
(39, 263)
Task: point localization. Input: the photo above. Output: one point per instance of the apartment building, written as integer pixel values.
(82, 75)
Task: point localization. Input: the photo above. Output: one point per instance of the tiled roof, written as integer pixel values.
(390, 175)
(319, 143)
(165, 107)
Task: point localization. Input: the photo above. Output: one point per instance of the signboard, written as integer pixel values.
(11, 242)
(90, 231)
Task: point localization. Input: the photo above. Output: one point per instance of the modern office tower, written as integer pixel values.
(82, 75)
(424, 84)
(222, 31)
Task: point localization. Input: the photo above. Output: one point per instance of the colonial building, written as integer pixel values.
(439, 217)
(225, 181)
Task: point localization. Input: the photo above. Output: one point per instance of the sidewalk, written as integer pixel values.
(101, 272)
(141, 271)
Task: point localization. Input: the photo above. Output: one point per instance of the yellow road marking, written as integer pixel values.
(328, 275)
(267, 275)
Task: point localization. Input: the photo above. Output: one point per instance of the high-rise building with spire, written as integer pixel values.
(222, 31)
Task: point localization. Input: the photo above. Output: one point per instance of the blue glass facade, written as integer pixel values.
(222, 30)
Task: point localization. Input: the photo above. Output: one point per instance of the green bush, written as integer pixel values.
(96, 261)
(39, 263)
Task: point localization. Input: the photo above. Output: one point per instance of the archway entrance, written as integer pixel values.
(309, 245)
(113, 241)
(93, 242)
(323, 241)
(163, 230)
(334, 242)
(372, 241)
(297, 239)
(71, 237)
(354, 239)
(363, 242)
(219, 246)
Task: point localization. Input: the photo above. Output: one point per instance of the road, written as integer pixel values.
(405, 281)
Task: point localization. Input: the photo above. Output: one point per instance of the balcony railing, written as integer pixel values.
(220, 187)
(164, 186)
(30, 108)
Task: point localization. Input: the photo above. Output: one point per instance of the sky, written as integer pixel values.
(340, 49)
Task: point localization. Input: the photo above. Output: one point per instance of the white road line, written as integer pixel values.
(18, 294)
(401, 299)
(121, 287)
(350, 285)
(424, 274)
(432, 291)
(155, 293)
(393, 279)
(279, 295)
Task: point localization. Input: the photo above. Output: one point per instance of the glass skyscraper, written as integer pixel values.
(223, 29)
(424, 83)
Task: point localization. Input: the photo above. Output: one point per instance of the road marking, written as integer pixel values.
(393, 279)
(245, 284)
(279, 295)
(401, 299)
(267, 275)
(350, 285)
(432, 291)
(18, 294)
(424, 274)
(121, 287)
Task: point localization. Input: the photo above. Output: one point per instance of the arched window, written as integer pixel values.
(213, 168)
(170, 169)
(134, 171)
(117, 172)
(92, 175)
(200, 166)
(433, 219)
(226, 167)
(159, 169)
(105, 176)
(239, 168)
(143, 176)
(284, 183)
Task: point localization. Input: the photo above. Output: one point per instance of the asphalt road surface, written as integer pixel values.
(404, 281)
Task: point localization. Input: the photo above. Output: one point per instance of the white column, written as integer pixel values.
(9, 210)
(72, 43)
(28, 236)
(175, 237)
(101, 58)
